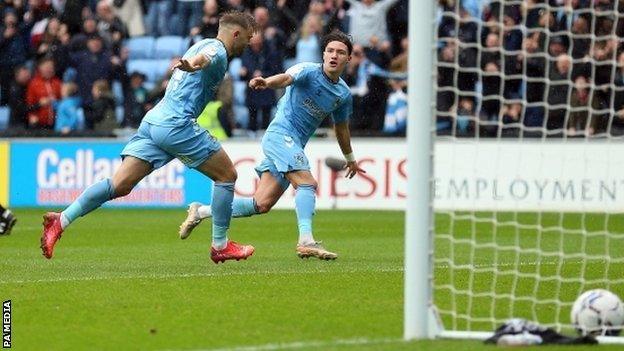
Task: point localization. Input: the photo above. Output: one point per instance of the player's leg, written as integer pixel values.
(131, 171)
(220, 169)
(141, 155)
(197, 149)
(305, 201)
(268, 192)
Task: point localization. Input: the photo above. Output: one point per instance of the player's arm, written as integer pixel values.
(192, 64)
(277, 81)
(344, 141)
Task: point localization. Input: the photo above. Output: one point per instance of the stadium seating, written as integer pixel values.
(168, 46)
(140, 47)
(148, 67)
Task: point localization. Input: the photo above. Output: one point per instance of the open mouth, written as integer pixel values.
(333, 63)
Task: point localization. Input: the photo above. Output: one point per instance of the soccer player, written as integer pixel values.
(170, 130)
(313, 92)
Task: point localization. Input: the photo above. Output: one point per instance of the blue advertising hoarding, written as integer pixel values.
(54, 173)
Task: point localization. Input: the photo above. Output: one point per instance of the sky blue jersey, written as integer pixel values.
(188, 92)
(310, 98)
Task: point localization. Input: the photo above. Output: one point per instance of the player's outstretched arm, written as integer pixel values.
(344, 141)
(192, 64)
(277, 81)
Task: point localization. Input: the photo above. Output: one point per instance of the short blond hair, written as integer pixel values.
(238, 18)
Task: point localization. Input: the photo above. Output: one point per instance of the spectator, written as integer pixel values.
(395, 121)
(130, 13)
(17, 98)
(109, 26)
(42, 91)
(558, 92)
(356, 77)
(399, 62)
(13, 51)
(158, 17)
(135, 99)
(92, 64)
(100, 113)
(308, 47)
(210, 21)
(67, 115)
(78, 42)
(189, 15)
(579, 103)
(55, 43)
(259, 60)
(368, 20)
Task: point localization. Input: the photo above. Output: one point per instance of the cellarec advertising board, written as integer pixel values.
(548, 176)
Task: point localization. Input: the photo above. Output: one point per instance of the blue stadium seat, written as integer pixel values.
(168, 46)
(163, 66)
(5, 114)
(140, 47)
(148, 67)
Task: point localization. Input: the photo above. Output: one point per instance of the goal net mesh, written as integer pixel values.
(529, 160)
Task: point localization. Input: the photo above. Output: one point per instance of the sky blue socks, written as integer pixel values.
(90, 199)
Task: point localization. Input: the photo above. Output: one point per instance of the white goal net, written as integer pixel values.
(528, 180)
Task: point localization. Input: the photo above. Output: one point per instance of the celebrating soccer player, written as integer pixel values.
(314, 92)
(170, 130)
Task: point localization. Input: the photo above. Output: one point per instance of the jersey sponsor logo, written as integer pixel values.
(314, 109)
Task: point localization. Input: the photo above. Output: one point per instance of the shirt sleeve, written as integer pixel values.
(300, 71)
(344, 112)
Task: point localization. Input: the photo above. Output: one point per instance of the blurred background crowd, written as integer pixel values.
(94, 67)
(534, 68)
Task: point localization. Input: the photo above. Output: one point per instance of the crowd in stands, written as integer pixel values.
(534, 68)
(94, 67)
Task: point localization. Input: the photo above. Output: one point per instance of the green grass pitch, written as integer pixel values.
(122, 280)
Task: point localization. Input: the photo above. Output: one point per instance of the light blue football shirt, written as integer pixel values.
(310, 98)
(188, 92)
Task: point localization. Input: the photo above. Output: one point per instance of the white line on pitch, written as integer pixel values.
(192, 275)
(252, 272)
(306, 344)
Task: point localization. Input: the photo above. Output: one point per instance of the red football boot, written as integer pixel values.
(52, 231)
(232, 251)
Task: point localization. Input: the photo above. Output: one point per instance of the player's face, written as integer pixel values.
(335, 57)
(241, 40)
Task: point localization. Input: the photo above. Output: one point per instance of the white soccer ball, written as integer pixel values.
(598, 312)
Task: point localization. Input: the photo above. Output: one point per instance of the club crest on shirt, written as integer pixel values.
(289, 141)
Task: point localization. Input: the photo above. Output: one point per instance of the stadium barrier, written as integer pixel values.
(494, 176)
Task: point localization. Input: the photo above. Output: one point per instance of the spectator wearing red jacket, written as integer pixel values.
(42, 91)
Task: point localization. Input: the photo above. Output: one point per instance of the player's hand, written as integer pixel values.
(184, 65)
(258, 83)
(352, 169)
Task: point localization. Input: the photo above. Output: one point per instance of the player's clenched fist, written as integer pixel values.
(258, 83)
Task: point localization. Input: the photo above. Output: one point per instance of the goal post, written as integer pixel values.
(515, 157)
(418, 214)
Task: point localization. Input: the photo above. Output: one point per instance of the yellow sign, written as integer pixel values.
(4, 173)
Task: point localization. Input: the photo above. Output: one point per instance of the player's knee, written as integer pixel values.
(122, 190)
(263, 206)
(226, 176)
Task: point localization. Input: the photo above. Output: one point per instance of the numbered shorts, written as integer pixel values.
(282, 154)
(158, 145)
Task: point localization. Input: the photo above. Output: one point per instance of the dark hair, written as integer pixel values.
(337, 35)
(238, 18)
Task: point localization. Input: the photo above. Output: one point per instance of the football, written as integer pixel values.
(598, 312)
